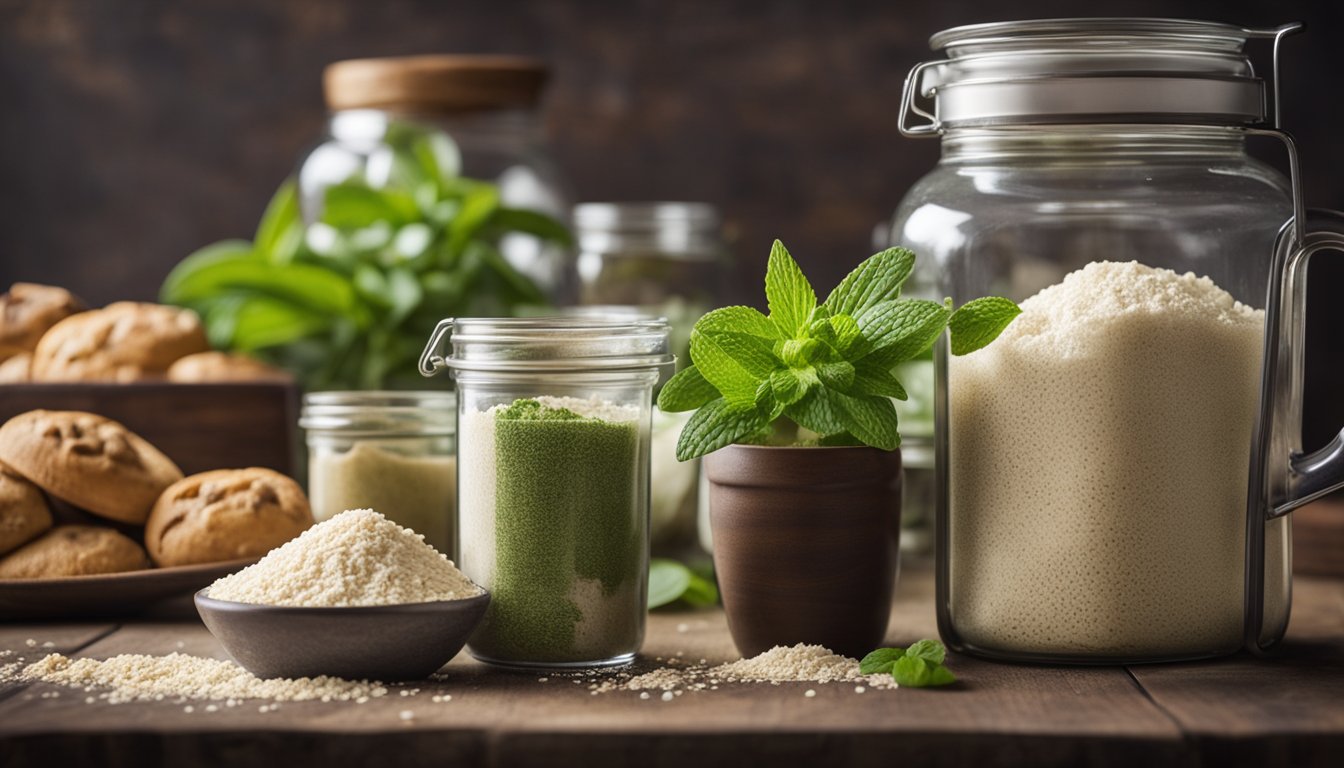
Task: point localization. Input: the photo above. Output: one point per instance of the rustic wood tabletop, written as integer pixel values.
(1284, 711)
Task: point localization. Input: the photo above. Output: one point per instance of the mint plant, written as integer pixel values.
(826, 367)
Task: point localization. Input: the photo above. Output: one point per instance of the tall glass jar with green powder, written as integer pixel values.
(392, 452)
(553, 481)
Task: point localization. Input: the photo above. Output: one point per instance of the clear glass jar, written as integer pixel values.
(553, 482)
(392, 452)
(472, 117)
(663, 259)
(1093, 505)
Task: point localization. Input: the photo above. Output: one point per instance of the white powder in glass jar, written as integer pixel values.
(397, 477)
(1099, 454)
(358, 557)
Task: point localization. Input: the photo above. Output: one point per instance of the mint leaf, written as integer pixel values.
(788, 292)
(880, 662)
(280, 232)
(871, 419)
(848, 336)
(872, 379)
(738, 319)
(877, 279)
(716, 424)
(668, 580)
(900, 330)
(797, 353)
(736, 379)
(789, 384)
(931, 651)
(941, 675)
(685, 391)
(818, 412)
(912, 672)
(752, 353)
(701, 593)
(979, 322)
(766, 402)
(838, 375)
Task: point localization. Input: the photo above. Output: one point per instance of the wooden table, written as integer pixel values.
(1288, 711)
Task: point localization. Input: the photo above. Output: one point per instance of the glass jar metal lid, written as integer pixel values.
(1090, 70)
(674, 230)
(382, 413)
(548, 344)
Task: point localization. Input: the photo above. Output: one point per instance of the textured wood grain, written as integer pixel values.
(1283, 711)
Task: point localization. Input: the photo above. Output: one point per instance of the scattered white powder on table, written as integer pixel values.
(134, 677)
(1099, 447)
(782, 664)
(356, 558)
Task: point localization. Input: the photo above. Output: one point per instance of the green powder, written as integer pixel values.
(567, 582)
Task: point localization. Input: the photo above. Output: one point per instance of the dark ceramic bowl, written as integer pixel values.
(382, 642)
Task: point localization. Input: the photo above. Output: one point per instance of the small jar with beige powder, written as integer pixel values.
(393, 452)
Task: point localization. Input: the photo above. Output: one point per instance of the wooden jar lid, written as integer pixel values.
(434, 83)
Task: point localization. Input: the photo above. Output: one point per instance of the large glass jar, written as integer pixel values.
(553, 482)
(1093, 500)
(392, 452)
(470, 117)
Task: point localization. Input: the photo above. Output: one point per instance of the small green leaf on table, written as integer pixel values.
(670, 581)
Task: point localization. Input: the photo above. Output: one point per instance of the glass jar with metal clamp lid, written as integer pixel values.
(1095, 503)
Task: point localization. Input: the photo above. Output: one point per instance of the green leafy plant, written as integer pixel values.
(349, 301)
(825, 366)
(670, 581)
(919, 666)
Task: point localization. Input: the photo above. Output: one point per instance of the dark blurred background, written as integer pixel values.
(132, 132)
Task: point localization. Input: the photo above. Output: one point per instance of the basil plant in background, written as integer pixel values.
(348, 302)
(823, 367)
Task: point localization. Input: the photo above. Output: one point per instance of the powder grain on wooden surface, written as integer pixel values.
(134, 677)
(782, 664)
(356, 558)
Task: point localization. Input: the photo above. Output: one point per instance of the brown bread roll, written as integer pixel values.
(225, 514)
(126, 341)
(74, 550)
(24, 514)
(28, 310)
(88, 460)
(208, 367)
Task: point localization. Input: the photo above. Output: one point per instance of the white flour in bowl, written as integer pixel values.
(1099, 454)
(357, 557)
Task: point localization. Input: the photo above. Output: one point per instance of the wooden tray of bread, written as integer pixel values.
(135, 463)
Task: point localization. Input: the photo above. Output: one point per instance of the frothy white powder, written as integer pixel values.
(357, 557)
(1100, 448)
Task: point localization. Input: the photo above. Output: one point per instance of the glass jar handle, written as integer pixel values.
(431, 361)
(1282, 477)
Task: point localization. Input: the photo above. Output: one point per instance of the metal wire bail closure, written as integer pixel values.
(431, 362)
(1125, 70)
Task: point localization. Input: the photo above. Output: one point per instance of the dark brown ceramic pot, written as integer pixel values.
(805, 544)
